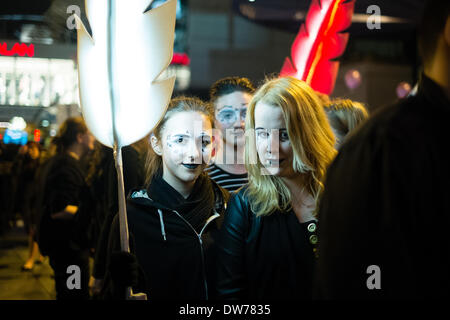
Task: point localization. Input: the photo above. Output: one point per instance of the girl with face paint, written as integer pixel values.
(230, 97)
(174, 219)
(268, 238)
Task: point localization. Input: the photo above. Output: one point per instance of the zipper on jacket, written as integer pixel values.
(143, 194)
(199, 236)
(161, 221)
(214, 216)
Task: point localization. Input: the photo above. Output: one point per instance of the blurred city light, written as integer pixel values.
(17, 123)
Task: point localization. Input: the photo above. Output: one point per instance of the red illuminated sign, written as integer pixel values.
(37, 135)
(180, 58)
(319, 42)
(20, 49)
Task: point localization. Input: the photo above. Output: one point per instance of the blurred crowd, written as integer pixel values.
(23, 174)
(263, 192)
(75, 179)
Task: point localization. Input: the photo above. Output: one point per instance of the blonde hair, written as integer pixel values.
(153, 161)
(345, 115)
(311, 138)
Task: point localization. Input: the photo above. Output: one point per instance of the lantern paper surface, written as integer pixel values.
(142, 46)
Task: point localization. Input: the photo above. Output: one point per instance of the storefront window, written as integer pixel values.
(37, 82)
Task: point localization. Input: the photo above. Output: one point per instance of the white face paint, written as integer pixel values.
(272, 140)
(186, 146)
(231, 110)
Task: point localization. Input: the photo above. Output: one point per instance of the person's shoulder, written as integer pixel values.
(401, 112)
(63, 164)
(387, 123)
(220, 192)
(239, 212)
(242, 191)
(239, 198)
(64, 161)
(56, 158)
(138, 200)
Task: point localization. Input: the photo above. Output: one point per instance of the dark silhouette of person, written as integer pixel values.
(385, 211)
(63, 209)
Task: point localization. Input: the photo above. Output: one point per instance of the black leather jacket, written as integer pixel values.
(268, 257)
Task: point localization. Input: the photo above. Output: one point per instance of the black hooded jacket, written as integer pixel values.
(176, 261)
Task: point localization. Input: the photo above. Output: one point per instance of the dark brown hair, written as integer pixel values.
(229, 85)
(67, 134)
(153, 162)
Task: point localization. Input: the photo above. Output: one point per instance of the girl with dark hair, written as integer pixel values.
(64, 187)
(230, 97)
(173, 222)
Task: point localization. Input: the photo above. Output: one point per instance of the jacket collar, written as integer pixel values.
(140, 196)
(433, 92)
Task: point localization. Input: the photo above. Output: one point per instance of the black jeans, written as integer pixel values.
(71, 270)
